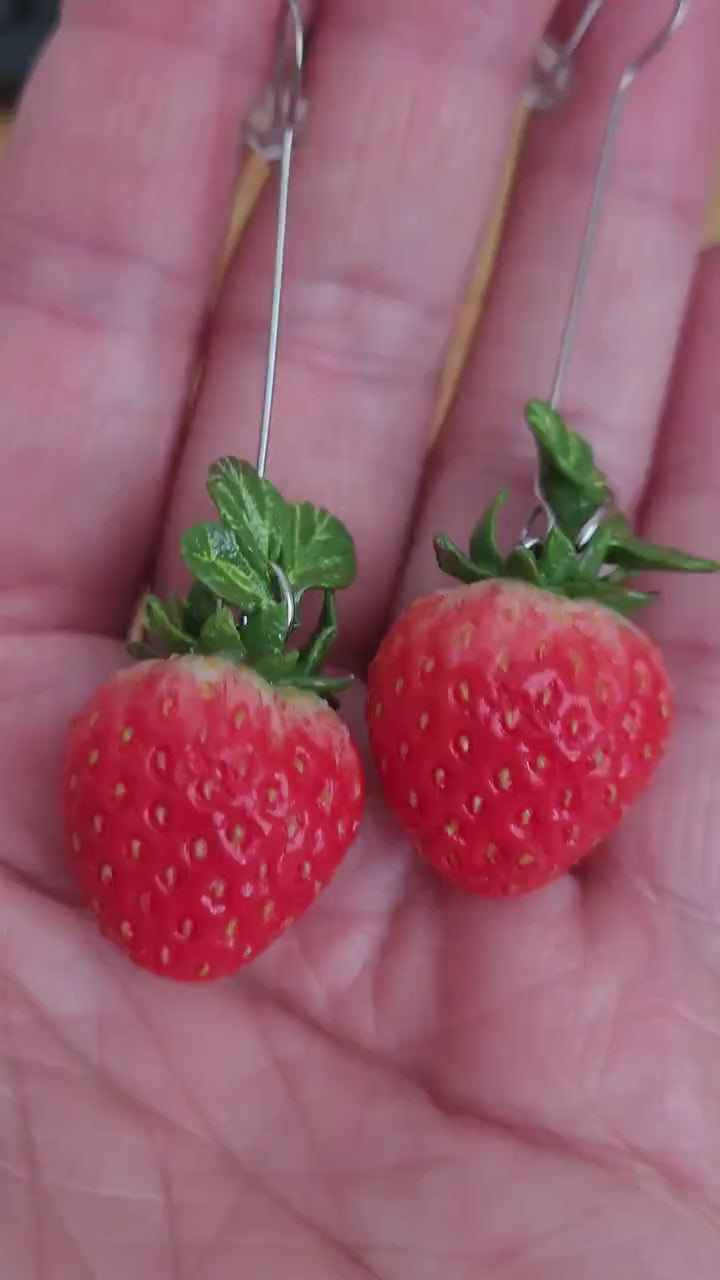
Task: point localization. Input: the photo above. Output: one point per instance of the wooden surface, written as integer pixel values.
(252, 182)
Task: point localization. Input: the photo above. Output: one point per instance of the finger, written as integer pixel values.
(44, 679)
(673, 840)
(113, 200)
(639, 278)
(411, 108)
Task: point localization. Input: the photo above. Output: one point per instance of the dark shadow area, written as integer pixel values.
(24, 27)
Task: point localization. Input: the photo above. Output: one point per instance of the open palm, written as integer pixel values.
(411, 1083)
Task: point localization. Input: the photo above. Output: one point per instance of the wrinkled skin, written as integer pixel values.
(411, 1084)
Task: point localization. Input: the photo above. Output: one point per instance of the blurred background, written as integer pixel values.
(24, 27)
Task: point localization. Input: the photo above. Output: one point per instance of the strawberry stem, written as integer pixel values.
(588, 551)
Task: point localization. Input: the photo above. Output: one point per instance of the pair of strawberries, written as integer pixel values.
(211, 790)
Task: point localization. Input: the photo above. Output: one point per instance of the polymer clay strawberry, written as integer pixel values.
(211, 790)
(514, 719)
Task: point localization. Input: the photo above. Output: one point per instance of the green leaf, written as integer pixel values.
(213, 555)
(277, 666)
(571, 508)
(252, 509)
(454, 562)
(633, 554)
(314, 653)
(573, 487)
(159, 624)
(317, 550)
(199, 605)
(594, 554)
(559, 559)
(220, 634)
(316, 684)
(522, 564)
(484, 549)
(266, 631)
(623, 600)
(174, 610)
(563, 450)
(313, 547)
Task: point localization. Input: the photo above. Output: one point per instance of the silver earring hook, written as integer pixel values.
(628, 77)
(573, 42)
(552, 78)
(271, 130)
(554, 91)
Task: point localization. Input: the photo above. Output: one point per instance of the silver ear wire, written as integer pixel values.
(271, 127)
(553, 74)
(607, 151)
(552, 84)
(270, 130)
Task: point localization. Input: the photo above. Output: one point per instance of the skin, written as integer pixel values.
(411, 1083)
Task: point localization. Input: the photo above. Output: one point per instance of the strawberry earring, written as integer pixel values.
(514, 719)
(211, 790)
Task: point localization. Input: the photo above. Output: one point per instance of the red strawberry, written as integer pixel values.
(515, 719)
(209, 792)
(512, 728)
(206, 810)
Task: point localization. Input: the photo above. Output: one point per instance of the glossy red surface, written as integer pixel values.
(512, 728)
(205, 811)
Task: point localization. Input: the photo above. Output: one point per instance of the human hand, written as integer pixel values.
(411, 1083)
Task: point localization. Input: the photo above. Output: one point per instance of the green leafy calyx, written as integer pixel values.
(588, 550)
(251, 569)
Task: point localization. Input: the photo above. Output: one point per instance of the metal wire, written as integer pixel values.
(288, 596)
(680, 12)
(553, 74)
(573, 42)
(275, 139)
(551, 85)
(271, 130)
